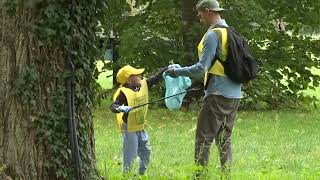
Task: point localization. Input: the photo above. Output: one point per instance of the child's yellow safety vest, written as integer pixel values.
(217, 68)
(137, 117)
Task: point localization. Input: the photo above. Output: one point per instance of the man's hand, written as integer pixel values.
(170, 72)
(124, 109)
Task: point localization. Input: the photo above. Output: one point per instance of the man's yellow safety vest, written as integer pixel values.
(217, 68)
(137, 117)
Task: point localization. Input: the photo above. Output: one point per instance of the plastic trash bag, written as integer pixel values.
(175, 86)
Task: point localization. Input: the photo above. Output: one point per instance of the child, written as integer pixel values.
(133, 92)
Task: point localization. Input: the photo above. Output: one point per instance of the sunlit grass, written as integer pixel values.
(266, 145)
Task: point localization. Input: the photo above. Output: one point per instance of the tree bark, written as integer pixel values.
(192, 34)
(189, 37)
(22, 154)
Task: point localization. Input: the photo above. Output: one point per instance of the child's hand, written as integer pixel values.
(162, 70)
(170, 72)
(124, 109)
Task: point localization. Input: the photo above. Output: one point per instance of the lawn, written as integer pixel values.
(266, 145)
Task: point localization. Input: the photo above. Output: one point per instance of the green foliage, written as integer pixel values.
(52, 131)
(281, 35)
(60, 28)
(286, 53)
(2, 169)
(149, 38)
(26, 86)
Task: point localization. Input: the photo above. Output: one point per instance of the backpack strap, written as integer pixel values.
(222, 33)
(217, 66)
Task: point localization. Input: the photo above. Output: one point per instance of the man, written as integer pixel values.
(222, 96)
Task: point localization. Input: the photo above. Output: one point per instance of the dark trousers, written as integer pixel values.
(215, 121)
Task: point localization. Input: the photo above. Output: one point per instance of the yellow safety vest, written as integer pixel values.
(137, 117)
(217, 68)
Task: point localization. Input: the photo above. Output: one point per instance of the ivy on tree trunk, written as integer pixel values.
(36, 37)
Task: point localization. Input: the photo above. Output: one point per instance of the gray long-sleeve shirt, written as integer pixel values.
(218, 85)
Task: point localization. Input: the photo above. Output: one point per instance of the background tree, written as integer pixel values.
(36, 37)
(282, 36)
(191, 32)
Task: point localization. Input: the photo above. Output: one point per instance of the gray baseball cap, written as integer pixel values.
(212, 5)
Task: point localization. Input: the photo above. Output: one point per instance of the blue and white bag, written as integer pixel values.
(175, 86)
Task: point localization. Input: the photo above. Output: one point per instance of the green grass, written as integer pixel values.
(266, 145)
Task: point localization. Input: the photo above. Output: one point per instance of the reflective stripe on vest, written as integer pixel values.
(137, 117)
(217, 67)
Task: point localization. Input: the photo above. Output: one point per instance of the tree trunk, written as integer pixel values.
(192, 34)
(189, 36)
(28, 84)
(20, 155)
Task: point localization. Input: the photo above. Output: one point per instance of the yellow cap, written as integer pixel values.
(125, 72)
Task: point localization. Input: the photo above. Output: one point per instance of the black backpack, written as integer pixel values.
(240, 66)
